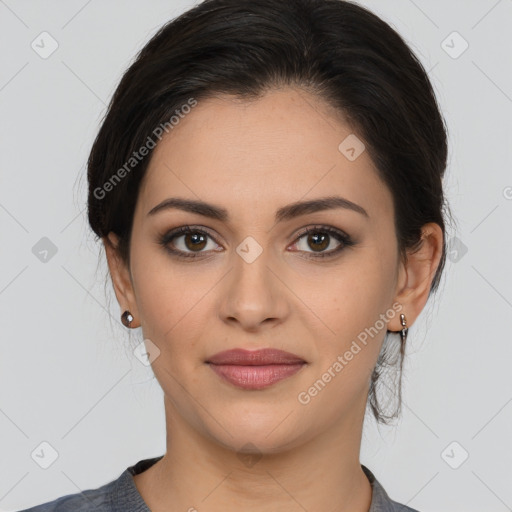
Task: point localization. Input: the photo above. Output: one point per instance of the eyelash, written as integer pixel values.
(345, 240)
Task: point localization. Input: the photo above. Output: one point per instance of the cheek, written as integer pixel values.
(351, 303)
(351, 295)
(172, 305)
(347, 355)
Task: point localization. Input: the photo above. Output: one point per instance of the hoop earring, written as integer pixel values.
(405, 329)
(127, 319)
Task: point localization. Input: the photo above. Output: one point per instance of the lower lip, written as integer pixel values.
(255, 377)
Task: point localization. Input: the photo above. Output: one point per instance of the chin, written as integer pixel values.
(263, 434)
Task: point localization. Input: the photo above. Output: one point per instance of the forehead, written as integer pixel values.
(259, 155)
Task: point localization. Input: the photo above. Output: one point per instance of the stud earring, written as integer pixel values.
(127, 319)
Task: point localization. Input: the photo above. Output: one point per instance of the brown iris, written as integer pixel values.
(198, 242)
(314, 239)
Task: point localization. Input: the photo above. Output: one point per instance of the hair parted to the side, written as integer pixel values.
(334, 49)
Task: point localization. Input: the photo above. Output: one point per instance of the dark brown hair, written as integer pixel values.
(335, 49)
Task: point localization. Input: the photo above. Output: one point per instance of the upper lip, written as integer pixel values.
(240, 356)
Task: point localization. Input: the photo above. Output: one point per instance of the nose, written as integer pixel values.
(254, 294)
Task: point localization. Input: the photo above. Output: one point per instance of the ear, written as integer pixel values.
(416, 275)
(121, 278)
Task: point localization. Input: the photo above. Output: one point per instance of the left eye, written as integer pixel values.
(320, 238)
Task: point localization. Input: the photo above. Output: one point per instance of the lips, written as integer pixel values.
(261, 357)
(256, 369)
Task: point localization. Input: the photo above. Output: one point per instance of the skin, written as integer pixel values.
(252, 158)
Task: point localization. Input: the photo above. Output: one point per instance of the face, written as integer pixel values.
(252, 281)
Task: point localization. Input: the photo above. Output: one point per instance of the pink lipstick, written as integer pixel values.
(256, 369)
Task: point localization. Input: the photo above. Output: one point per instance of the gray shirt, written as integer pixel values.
(121, 495)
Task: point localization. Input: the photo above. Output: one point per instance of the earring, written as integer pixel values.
(405, 329)
(127, 319)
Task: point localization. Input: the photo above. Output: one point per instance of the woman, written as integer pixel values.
(267, 184)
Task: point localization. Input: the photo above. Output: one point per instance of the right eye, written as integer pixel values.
(194, 240)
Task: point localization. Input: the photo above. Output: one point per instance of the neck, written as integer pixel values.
(322, 474)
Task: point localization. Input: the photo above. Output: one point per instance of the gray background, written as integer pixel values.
(68, 376)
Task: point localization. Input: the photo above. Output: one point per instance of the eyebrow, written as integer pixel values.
(287, 212)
